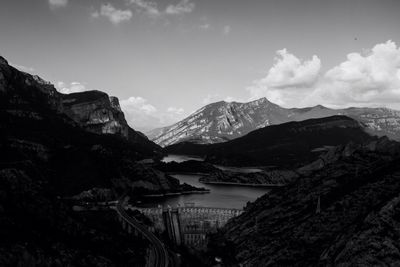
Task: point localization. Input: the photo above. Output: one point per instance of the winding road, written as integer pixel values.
(161, 258)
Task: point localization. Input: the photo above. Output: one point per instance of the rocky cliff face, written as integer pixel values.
(93, 111)
(96, 112)
(222, 121)
(342, 210)
(219, 122)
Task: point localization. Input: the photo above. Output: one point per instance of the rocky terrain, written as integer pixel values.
(99, 113)
(287, 145)
(223, 121)
(342, 210)
(52, 150)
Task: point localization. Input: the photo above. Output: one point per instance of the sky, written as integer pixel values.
(166, 59)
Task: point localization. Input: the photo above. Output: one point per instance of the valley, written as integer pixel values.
(322, 183)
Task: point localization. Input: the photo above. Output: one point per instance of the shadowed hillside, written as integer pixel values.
(285, 145)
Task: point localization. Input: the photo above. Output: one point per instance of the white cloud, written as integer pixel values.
(175, 110)
(371, 78)
(232, 99)
(116, 16)
(73, 87)
(138, 104)
(141, 115)
(205, 26)
(287, 81)
(184, 6)
(226, 30)
(290, 71)
(145, 6)
(210, 98)
(151, 8)
(58, 3)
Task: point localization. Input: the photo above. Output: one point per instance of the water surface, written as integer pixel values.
(221, 196)
(180, 158)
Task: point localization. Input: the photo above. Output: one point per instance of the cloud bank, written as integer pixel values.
(184, 6)
(143, 116)
(152, 9)
(115, 16)
(371, 78)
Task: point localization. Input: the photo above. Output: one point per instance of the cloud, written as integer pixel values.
(226, 30)
(73, 87)
(147, 7)
(116, 16)
(205, 26)
(58, 3)
(290, 71)
(286, 80)
(141, 115)
(175, 110)
(138, 104)
(184, 6)
(371, 78)
(210, 98)
(151, 8)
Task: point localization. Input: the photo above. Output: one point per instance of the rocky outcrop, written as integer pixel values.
(96, 112)
(222, 121)
(99, 113)
(344, 213)
(23, 95)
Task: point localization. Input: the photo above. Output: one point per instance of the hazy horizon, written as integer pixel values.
(166, 59)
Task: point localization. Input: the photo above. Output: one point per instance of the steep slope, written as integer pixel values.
(47, 156)
(222, 121)
(355, 223)
(99, 113)
(67, 141)
(283, 145)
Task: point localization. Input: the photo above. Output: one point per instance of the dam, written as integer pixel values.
(188, 225)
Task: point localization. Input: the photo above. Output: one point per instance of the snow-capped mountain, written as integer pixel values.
(222, 121)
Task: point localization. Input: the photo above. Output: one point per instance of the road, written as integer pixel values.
(160, 252)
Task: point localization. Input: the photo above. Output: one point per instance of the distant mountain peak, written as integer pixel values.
(222, 121)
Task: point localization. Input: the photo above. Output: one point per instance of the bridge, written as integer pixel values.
(188, 225)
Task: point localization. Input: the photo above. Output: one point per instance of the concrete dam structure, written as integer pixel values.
(188, 225)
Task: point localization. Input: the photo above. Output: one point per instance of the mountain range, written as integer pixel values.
(223, 121)
(284, 145)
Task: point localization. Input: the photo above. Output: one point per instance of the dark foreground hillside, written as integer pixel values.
(356, 222)
(51, 151)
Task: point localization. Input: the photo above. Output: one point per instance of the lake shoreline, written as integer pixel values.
(244, 184)
(206, 191)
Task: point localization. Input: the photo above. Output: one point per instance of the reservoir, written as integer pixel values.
(220, 196)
